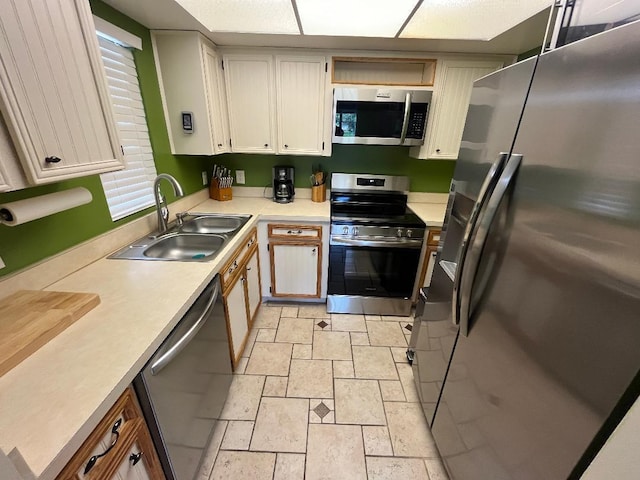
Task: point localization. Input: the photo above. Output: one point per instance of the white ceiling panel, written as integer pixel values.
(244, 16)
(354, 18)
(469, 19)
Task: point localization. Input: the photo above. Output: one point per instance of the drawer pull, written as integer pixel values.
(114, 431)
(135, 458)
(52, 159)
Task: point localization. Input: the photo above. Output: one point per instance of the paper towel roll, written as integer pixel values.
(23, 211)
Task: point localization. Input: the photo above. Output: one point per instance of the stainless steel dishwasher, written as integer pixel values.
(182, 389)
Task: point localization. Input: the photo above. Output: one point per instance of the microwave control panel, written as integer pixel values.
(417, 120)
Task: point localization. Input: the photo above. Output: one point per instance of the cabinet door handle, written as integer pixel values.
(220, 145)
(313, 251)
(248, 269)
(135, 458)
(286, 146)
(299, 232)
(437, 150)
(266, 145)
(52, 159)
(114, 431)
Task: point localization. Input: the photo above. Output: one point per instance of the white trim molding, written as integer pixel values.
(116, 34)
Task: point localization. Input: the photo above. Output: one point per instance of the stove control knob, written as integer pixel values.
(409, 232)
(399, 233)
(355, 231)
(345, 230)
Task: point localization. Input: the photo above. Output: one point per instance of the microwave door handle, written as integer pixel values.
(405, 121)
(475, 252)
(487, 187)
(157, 364)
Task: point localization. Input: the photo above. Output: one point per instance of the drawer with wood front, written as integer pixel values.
(235, 263)
(295, 232)
(111, 445)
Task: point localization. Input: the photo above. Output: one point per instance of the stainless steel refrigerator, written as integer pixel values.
(526, 346)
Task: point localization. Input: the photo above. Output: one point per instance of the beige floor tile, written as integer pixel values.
(376, 441)
(391, 391)
(436, 469)
(409, 432)
(374, 362)
(373, 317)
(270, 359)
(399, 354)
(302, 351)
(267, 317)
(335, 452)
(394, 468)
(343, 369)
(289, 312)
(318, 310)
(359, 338)
(331, 345)
(341, 322)
(295, 330)
(281, 425)
(321, 410)
(253, 465)
(310, 378)
(243, 398)
(394, 318)
(266, 335)
(275, 387)
(289, 466)
(386, 334)
(408, 384)
(358, 402)
(237, 436)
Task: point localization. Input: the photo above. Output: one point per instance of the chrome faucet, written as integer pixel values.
(161, 203)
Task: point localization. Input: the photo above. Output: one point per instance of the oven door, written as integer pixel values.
(380, 117)
(373, 271)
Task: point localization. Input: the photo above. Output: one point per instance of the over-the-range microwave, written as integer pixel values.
(379, 116)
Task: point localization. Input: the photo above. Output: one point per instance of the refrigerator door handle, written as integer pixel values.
(487, 187)
(479, 239)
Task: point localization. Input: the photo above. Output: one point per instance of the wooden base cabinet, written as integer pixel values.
(241, 294)
(295, 253)
(120, 447)
(433, 239)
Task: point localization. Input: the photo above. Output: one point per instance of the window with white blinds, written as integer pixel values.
(130, 190)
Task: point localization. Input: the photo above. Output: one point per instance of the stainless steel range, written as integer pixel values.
(375, 245)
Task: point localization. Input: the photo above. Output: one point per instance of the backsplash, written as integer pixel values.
(426, 175)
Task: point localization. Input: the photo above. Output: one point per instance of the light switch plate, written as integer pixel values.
(240, 177)
(204, 177)
(2, 265)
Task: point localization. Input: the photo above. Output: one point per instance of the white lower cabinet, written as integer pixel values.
(241, 293)
(236, 310)
(296, 270)
(132, 467)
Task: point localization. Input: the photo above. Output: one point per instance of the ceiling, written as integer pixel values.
(474, 26)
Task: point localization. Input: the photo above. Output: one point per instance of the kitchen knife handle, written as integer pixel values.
(485, 191)
(480, 238)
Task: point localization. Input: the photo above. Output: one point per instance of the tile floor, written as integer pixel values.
(322, 396)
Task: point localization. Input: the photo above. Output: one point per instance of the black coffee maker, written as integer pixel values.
(283, 191)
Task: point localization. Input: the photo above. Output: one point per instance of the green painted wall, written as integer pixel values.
(26, 244)
(426, 175)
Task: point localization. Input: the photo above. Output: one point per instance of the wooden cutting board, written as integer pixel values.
(30, 318)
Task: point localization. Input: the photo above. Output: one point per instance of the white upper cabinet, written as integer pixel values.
(191, 83)
(450, 102)
(53, 91)
(300, 89)
(251, 102)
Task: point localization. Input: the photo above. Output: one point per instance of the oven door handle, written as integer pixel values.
(163, 359)
(414, 243)
(405, 121)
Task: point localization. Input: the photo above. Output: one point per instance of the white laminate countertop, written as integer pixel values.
(52, 401)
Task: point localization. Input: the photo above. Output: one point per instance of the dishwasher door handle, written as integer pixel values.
(163, 359)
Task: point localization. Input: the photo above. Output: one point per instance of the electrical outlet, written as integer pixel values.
(240, 176)
(204, 177)
(2, 265)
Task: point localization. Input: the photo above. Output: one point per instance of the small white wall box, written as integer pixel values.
(187, 122)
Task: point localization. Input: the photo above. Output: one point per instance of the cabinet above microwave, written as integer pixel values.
(380, 116)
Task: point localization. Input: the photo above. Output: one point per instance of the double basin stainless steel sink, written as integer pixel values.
(198, 238)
